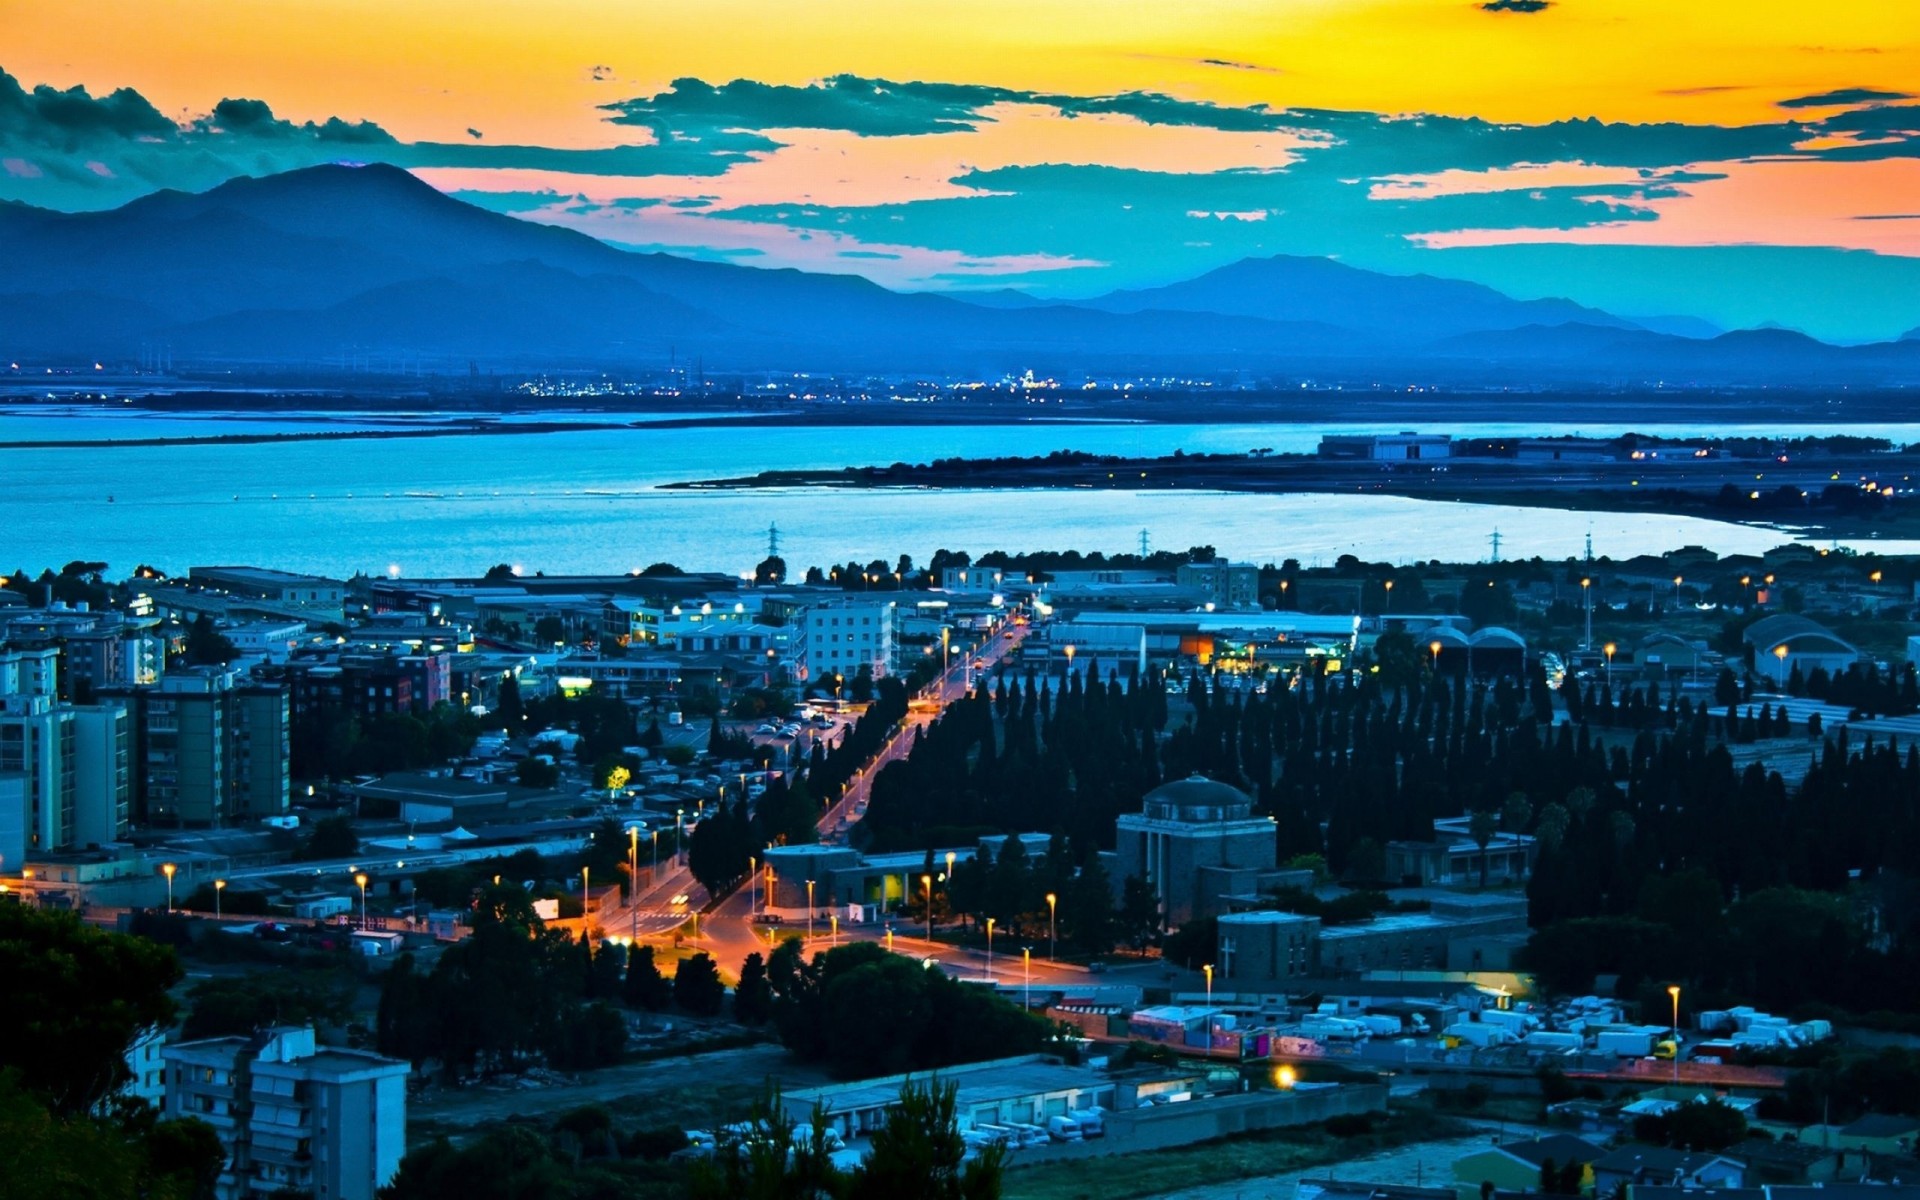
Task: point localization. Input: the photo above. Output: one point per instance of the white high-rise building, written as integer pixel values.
(839, 637)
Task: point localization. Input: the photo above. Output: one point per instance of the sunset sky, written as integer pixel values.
(1737, 161)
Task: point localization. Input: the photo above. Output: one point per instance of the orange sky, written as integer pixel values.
(523, 70)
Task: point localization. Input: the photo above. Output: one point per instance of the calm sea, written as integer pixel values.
(588, 501)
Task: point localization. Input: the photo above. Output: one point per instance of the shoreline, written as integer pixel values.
(1689, 490)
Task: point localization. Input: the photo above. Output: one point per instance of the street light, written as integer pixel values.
(168, 869)
(1386, 605)
(1609, 648)
(361, 879)
(679, 835)
(1674, 991)
(989, 947)
(654, 870)
(926, 881)
(1209, 970)
(809, 910)
(586, 891)
(1433, 648)
(833, 921)
(1026, 984)
(633, 860)
(1052, 943)
(889, 939)
(753, 886)
(219, 885)
(1586, 596)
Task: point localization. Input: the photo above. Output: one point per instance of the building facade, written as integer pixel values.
(1195, 842)
(208, 748)
(1221, 584)
(293, 1116)
(841, 638)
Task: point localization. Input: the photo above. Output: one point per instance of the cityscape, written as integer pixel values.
(1050, 602)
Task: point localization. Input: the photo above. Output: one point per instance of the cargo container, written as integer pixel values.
(1478, 1034)
(1625, 1043)
(1514, 1022)
(1546, 1040)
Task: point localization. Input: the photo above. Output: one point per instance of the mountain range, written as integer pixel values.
(312, 266)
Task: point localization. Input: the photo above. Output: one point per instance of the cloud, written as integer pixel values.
(49, 116)
(1516, 6)
(692, 109)
(1232, 65)
(508, 202)
(1707, 90)
(1844, 96)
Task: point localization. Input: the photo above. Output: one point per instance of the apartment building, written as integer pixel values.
(294, 1116)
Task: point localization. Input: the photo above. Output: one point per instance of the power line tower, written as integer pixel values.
(773, 540)
(1495, 539)
(1146, 544)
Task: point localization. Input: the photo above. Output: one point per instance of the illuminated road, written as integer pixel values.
(729, 932)
(952, 684)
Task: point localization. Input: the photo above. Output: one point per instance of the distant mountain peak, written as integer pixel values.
(305, 266)
(1404, 310)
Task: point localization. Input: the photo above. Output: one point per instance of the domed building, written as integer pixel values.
(1195, 842)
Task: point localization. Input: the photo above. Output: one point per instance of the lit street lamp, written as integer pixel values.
(809, 910)
(1026, 983)
(361, 879)
(168, 869)
(219, 885)
(926, 881)
(1209, 970)
(1609, 648)
(989, 948)
(1052, 945)
(833, 923)
(753, 886)
(1433, 648)
(1674, 991)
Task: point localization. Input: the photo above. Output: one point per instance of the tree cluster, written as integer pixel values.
(864, 1012)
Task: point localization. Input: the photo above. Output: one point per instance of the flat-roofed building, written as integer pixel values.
(293, 1116)
(284, 589)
